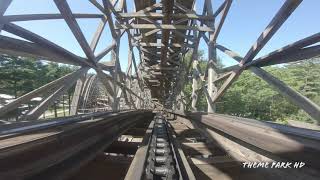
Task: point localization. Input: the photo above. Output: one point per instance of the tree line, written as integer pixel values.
(19, 75)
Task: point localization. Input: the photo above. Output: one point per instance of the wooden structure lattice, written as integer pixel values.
(163, 32)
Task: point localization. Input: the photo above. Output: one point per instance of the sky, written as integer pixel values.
(244, 23)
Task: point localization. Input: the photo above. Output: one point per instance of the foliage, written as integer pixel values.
(252, 97)
(20, 75)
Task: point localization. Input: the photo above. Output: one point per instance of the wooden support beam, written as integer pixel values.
(189, 38)
(282, 15)
(28, 35)
(107, 66)
(163, 27)
(219, 10)
(87, 87)
(150, 8)
(105, 51)
(176, 45)
(186, 68)
(224, 15)
(77, 95)
(195, 85)
(143, 35)
(97, 35)
(211, 71)
(287, 8)
(106, 82)
(75, 28)
(121, 6)
(109, 7)
(97, 5)
(41, 90)
(174, 55)
(292, 56)
(157, 68)
(223, 76)
(290, 49)
(108, 77)
(107, 10)
(17, 47)
(144, 50)
(125, 94)
(131, 56)
(205, 38)
(36, 112)
(160, 16)
(229, 52)
(229, 68)
(180, 21)
(174, 62)
(198, 36)
(182, 7)
(298, 99)
(133, 59)
(167, 11)
(4, 4)
(34, 17)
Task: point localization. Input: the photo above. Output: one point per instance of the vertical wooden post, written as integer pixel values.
(69, 102)
(4, 4)
(195, 81)
(108, 7)
(182, 102)
(138, 104)
(55, 109)
(174, 105)
(212, 59)
(63, 107)
(73, 108)
(129, 70)
(115, 58)
(129, 95)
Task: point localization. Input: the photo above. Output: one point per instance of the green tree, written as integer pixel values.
(252, 97)
(16, 75)
(19, 75)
